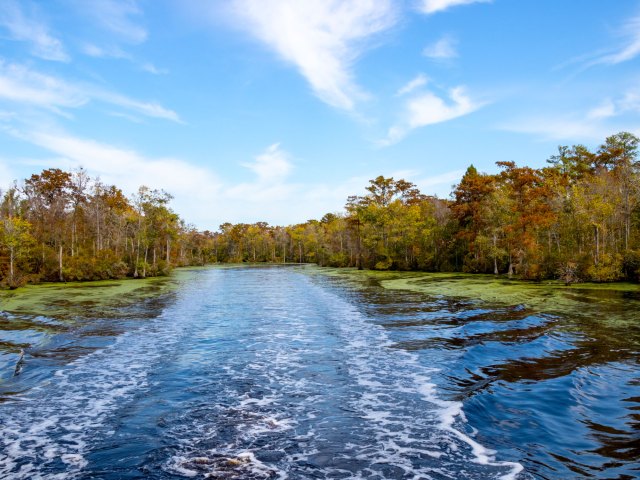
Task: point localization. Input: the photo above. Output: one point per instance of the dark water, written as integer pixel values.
(282, 373)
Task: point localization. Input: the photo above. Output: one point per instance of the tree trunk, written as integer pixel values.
(135, 268)
(11, 272)
(597, 234)
(144, 265)
(495, 255)
(60, 261)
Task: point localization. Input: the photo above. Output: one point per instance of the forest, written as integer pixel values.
(576, 219)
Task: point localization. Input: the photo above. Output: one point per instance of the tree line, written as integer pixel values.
(577, 219)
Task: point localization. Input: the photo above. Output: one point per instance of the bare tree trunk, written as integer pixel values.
(11, 260)
(144, 265)
(495, 255)
(597, 234)
(135, 268)
(60, 261)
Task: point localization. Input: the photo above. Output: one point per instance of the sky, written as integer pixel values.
(277, 110)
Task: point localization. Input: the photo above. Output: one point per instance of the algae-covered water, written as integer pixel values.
(302, 372)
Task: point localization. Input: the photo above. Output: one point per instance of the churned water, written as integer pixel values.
(263, 373)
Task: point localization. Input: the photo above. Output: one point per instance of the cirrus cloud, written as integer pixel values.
(322, 38)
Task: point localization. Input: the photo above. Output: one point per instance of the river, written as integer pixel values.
(284, 372)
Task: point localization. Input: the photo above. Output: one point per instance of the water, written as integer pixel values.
(264, 373)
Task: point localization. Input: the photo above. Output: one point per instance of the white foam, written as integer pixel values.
(62, 418)
(363, 337)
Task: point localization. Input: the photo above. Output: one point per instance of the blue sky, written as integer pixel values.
(277, 110)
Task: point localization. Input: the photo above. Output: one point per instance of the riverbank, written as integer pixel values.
(72, 299)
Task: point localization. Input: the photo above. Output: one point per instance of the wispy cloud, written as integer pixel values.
(151, 68)
(630, 48)
(439, 184)
(591, 124)
(28, 27)
(606, 109)
(419, 81)
(95, 51)
(627, 49)
(149, 109)
(561, 128)
(432, 6)
(443, 49)
(429, 109)
(120, 18)
(22, 85)
(322, 38)
(6, 174)
(115, 52)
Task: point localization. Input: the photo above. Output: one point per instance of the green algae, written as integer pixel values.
(81, 299)
(617, 303)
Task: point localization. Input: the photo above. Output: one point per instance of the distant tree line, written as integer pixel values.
(62, 226)
(576, 219)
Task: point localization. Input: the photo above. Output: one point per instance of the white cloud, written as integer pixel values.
(417, 82)
(118, 17)
(432, 6)
(22, 27)
(22, 85)
(322, 38)
(199, 194)
(272, 165)
(428, 109)
(195, 188)
(443, 49)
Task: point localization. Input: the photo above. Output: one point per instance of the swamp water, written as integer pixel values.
(258, 373)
